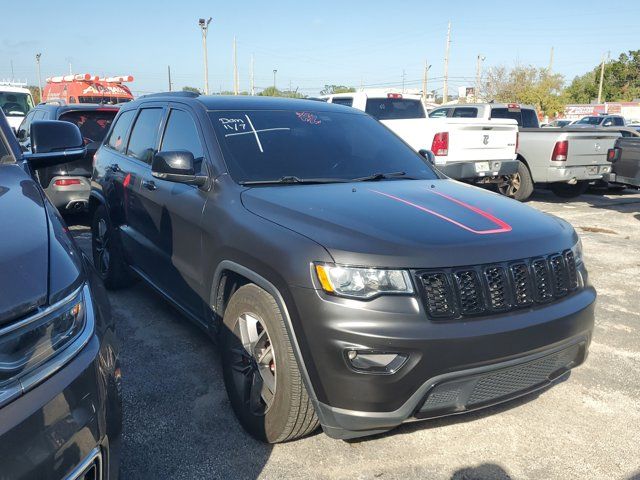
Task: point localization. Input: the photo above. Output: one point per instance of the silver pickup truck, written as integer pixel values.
(567, 159)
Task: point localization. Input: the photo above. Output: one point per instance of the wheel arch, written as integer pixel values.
(229, 272)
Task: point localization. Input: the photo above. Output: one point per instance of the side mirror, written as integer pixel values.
(177, 166)
(428, 156)
(54, 142)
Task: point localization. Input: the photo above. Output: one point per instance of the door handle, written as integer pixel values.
(114, 167)
(149, 185)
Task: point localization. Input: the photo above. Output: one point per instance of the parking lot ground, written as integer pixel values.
(179, 424)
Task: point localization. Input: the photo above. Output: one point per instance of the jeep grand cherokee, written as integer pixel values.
(350, 284)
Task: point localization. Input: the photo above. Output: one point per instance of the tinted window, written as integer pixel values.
(617, 121)
(465, 112)
(144, 135)
(525, 117)
(439, 113)
(394, 108)
(589, 121)
(93, 124)
(348, 101)
(4, 155)
(119, 132)
(182, 134)
(267, 145)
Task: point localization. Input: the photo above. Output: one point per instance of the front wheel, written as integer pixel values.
(107, 253)
(518, 186)
(261, 374)
(567, 190)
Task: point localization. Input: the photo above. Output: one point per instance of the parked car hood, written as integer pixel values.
(24, 244)
(411, 223)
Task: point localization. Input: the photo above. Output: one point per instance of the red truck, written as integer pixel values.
(87, 88)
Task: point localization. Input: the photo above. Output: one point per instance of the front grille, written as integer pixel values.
(484, 289)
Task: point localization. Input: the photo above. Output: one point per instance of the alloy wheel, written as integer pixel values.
(509, 185)
(101, 238)
(254, 363)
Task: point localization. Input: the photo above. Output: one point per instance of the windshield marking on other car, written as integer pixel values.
(258, 131)
(504, 227)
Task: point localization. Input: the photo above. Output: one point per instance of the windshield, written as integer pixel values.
(15, 104)
(394, 108)
(268, 145)
(589, 121)
(93, 124)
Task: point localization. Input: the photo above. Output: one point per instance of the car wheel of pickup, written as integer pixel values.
(566, 190)
(261, 374)
(518, 186)
(107, 252)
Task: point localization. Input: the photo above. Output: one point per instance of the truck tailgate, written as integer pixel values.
(469, 139)
(589, 148)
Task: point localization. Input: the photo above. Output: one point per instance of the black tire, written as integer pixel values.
(518, 186)
(106, 249)
(566, 190)
(288, 413)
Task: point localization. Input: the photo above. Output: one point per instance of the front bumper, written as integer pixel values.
(57, 428)
(476, 170)
(70, 197)
(579, 173)
(446, 360)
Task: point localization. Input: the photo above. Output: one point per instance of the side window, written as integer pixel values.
(4, 152)
(23, 129)
(439, 113)
(347, 101)
(529, 118)
(144, 136)
(465, 112)
(181, 133)
(624, 133)
(119, 131)
(618, 121)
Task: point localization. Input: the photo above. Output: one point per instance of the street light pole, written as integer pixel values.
(204, 26)
(478, 76)
(425, 79)
(38, 55)
(274, 79)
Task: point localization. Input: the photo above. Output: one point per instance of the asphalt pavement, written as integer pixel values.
(179, 424)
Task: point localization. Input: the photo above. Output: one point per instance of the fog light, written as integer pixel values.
(376, 362)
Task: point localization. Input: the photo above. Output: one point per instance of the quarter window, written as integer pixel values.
(347, 101)
(439, 113)
(144, 135)
(119, 132)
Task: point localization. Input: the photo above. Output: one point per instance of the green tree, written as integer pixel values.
(333, 89)
(621, 81)
(191, 89)
(529, 85)
(274, 92)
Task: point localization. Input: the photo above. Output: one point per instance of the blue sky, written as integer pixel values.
(311, 43)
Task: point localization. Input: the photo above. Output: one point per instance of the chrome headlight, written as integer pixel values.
(27, 344)
(362, 282)
(577, 252)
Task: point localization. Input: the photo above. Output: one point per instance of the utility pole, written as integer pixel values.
(38, 55)
(253, 87)
(550, 61)
(601, 78)
(204, 26)
(478, 76)
(404, 75)
(13, 79)
(425, 79)
(290, 86)
(169, 75)
(445, 91)
(235, 68)
(274, 79)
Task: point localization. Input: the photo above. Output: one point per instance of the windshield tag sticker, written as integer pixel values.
(309, 118)
(233, 124)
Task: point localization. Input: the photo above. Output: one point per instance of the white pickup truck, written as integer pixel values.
(15, 101)
(479, 151)
(566, 159)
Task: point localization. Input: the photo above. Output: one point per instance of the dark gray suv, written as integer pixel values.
(349, 283)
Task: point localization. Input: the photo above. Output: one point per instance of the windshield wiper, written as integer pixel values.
(293, 179)
(382, 176)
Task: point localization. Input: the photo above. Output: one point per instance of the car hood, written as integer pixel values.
(24, 245)
(411, 223)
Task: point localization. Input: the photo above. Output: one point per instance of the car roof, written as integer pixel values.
(410, 96)
(75, 107)
(243, 102)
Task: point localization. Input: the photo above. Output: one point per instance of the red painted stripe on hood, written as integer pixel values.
(503, 226)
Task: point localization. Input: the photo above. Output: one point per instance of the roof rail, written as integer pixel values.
(172, 94)
(55, 101)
